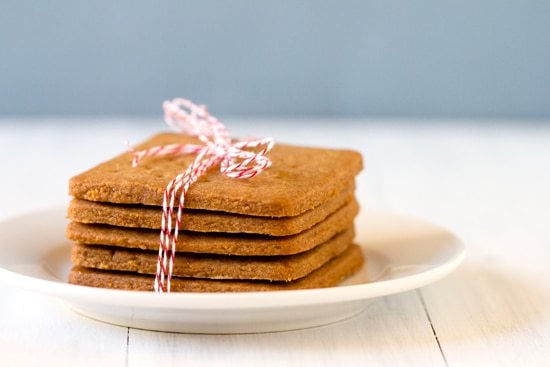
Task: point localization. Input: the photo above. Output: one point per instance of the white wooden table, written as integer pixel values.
(489, 182)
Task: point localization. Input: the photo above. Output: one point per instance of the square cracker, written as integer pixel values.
(273, 268)
(328, 275)
(147, 216)
(217, 243)
(299, 179)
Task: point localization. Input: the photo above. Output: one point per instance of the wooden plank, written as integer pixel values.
(490, 188)
(36, 330)
(496, 310)
(393, 331)
(489, 315)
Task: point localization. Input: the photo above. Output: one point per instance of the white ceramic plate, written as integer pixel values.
(402, 254)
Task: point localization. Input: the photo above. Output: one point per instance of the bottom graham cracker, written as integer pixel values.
(273, 268)
(328, 275)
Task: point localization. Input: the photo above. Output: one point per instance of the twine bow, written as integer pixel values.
(234, 160)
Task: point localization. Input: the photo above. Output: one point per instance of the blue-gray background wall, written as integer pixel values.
(485, 58)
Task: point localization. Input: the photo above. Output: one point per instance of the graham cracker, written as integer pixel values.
(142, 216)
(274, 268)
(328, 275)
(299, 180)
(218, 243)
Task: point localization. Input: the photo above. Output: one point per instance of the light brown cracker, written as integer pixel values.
(274, 268)
(328, 275)
(241, 244)
(299, 179)
(142, 216)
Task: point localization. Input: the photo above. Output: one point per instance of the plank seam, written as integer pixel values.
(127, 346)
(432, 326)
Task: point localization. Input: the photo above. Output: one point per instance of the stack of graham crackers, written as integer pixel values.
(290, 227)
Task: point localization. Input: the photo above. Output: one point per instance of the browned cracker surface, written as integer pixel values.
(300, 179)
(142, 216)
(217, 243)
(280, 268)
(328, 275)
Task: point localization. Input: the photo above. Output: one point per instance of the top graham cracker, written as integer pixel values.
(299, 179)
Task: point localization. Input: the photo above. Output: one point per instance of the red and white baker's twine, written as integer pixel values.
(236, 162)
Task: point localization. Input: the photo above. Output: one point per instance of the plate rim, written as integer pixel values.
(239, 300)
